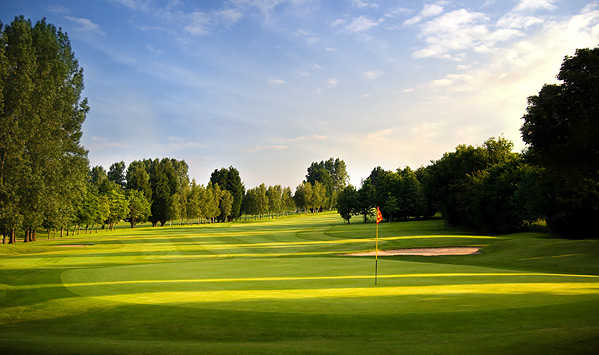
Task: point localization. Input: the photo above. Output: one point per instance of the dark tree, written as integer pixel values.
(347, 202)
(229, 179)
(116, 174)
(139, 179)
(42, 163)
(561, 127)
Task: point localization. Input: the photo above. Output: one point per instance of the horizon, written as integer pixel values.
(370, 82)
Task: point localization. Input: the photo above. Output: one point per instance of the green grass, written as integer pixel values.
(285, 287)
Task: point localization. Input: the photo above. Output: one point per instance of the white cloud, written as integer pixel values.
(301, 139)
(364, 4)
(276, 82)
(441, 82)
(85, 25)
(512, 20)
(428, 10)
(337, 22)
(373, 74)
(331, 83)
(261, 148)
(525, 5)
(153, 50)
(408, 90)
(360, 24)
(199, 23)
(264, 6)
(330, 49)
(449, 35)
(397, 12)
(379, 134)
(230, 16)
(497, 90)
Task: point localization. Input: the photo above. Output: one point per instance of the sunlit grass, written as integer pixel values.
(278, 286)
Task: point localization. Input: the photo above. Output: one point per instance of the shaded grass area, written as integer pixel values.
(283, 287)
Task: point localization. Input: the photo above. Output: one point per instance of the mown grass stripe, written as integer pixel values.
(562, 288)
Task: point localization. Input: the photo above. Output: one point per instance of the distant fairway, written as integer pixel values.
(283, 287)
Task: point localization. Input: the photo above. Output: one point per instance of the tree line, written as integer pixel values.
(490, 188)
(45, 179)
(46, 182)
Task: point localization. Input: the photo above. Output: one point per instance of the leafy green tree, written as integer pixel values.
(119, 207)
(303, 196)
(275, 195)
(261, 200)
(161, 193)
(139, 179)
(88, 209)
(139, 207)
(366, 198)
(347, 202)
(41, 158)
(288, 203)
(229, 179)
(226, 205)
(561, 129)
(319, 196)
(332, 174)
(116, 174)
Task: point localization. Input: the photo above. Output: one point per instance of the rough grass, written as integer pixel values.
(283, 287)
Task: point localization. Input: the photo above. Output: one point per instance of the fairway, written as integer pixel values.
(285, 286)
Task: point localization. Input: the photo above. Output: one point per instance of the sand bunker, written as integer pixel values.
(73, 245)
(422, 251)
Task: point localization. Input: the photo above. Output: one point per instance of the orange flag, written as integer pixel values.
(379, 216)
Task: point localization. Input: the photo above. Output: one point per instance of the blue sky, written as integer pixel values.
(269, 86)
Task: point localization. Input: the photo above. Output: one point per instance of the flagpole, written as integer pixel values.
(376, 258)
(379, 217)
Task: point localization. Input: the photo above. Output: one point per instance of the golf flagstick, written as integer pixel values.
(379, 217)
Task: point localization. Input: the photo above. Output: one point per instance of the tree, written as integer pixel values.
(332, 174)
(319, 196)
(41, 159)
(161, 194)
(116, 174)
(560, 128)
(303, 196)
(347, 202)
(139, 179)
(119, 207)
(275, 195)
(139, 207)
(230, 180)
(287, 200)
(226, 205)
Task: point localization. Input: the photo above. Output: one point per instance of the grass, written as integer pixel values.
(284, 287)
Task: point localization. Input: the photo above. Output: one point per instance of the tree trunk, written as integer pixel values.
(13, 236)
(26, 238)
(3, 238)
(33, 236)
(61, 230)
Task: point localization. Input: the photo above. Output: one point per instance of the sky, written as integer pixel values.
(269, 86)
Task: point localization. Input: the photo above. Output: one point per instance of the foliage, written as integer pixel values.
(561, 129)
(41, 159)
(229, 179)
(347, 202)
(139, 207)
